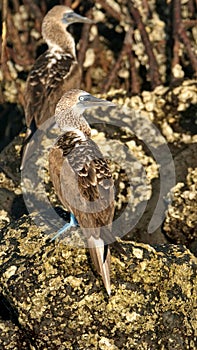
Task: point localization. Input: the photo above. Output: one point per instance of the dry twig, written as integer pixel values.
(126, 49)
(33, 8)
(75, 4)
(110, 10)
(179, 33)
(135, 83)
(84, 40)
(20, 50)
(176, 45)
(187, 43)
(66, 3)
(15, 5)
(155, 79)
(4, 54)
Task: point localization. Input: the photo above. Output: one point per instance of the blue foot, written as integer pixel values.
(73, 223)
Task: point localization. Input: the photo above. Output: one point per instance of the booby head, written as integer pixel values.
(78, 101)
(70, 17)
(65, 15)
(70, 108)
(57, 20)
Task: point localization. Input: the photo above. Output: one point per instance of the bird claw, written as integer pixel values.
(73, 223)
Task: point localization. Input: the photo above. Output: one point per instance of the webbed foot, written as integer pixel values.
(73, 223)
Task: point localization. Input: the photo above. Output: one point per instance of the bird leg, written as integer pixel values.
(73, 223)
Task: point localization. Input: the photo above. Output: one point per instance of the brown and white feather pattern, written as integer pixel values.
(77, 163)
(52, 74)
(57, 70)
(82, 166)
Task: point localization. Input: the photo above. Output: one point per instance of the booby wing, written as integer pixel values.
(81, 177)
(85, 180)
(51, 75)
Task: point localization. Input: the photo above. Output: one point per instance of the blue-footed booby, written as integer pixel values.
(54, 72)
(82, 179)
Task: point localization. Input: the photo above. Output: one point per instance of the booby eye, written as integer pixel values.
(81, 98)
(68, 15)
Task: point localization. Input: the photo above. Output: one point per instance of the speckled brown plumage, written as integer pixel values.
(45, 86)
(84, 158)
(54, 72)
(82, 178)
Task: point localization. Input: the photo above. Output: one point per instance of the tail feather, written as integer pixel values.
(100, 255)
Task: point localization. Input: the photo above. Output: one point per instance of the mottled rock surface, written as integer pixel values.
(59, 302)
(180, 224)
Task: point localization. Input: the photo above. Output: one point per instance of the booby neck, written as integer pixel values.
(69, 120)
(70, 109)
(58, 38)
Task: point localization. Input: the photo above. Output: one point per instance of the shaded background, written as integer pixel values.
(135, 46)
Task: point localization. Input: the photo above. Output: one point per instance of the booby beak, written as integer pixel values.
(89, 101)
(72, 17)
